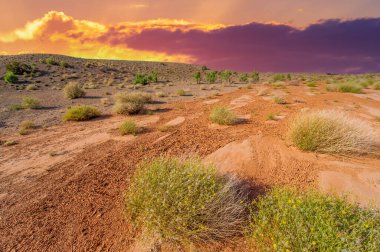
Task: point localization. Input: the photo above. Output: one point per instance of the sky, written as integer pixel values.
(273, 35)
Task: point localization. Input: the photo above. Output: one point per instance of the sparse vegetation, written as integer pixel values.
(197, 76)
(131, 103)
(279, 77)
(222, 116)
(73, 91)
(25, 127)
(31, 87)
(226, 76)
(345, 88)
(211, 76)
(255, 77)
(181, 92)
(30, 103)
(185, 201)
(243, 78)
(128, 128)
(19, 68)
(51, 61)
(279, 100)
(271, 117)
(376, 86)
(81, 113)
(331, 131)
(288, 220)
(64, 64)
(10, 77)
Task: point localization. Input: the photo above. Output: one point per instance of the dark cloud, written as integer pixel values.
(328, 46)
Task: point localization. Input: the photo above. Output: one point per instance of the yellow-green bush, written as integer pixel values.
(222, 116)
(81, 113)
(185, 201)
(128, 128)
(287, 220)
(73, 90)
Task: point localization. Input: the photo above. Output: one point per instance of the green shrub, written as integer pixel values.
(226, 75)
(255, 77)
(51, 61)
(222, 116)
(287, 220)
(30, 103)
(243, 78)
(279, 100)
(128, 128)
(330, 131)
(345, 88)
(185, 201)
(311, 84)
(211, 76)
(73, 91)
(181, 92)
(130, 103)
(279, 77)
(153, 77)
(19, 68)
(141, 79)
(271, 117)
(64, 64)
(197, 77)
(376, 86)
(81, 113)
(10, 77)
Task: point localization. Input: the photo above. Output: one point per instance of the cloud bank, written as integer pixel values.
(344, 46)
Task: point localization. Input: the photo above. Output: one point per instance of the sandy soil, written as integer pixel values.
(61, 187)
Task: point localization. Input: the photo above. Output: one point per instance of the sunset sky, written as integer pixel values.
(271, 35)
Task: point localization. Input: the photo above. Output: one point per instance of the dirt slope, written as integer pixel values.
(61, 189)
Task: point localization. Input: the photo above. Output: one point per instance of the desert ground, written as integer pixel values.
(63, 183)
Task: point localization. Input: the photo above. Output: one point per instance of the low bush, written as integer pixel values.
(226, 75)
(376, 86)
(73, 91)
(271, 117)
(25, 127)
(30, 103)
(185, 201)
(81, 113)
(331, 131)
(287, 220)
(222, 116)
(255, 77)
(19, 68)
(197, 76)
(64, 64)
(31, 87)
(243, 78)
(128, 128)
(10, 77)
(51, 61)
(181, 92)
(279, 77)
(131, 103)
(141, 79)
(279, 100)
(345, 88)
(211, 76)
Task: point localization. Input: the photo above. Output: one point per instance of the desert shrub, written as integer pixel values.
(271, 117)
(25, 127)
(197, 76)
(81, 113)
(376, 86)
(31, 87)
(90, 85)
(243, 78)
(279, 77)
(181, 92)
(226, 75)
(73, 91)
(211, 76)
(15, 107)
(19, 68)
(255, 76)
(185, 201)
(331, 131)
(105, 101)
(51, 61)
(10, 77)
(161, 94)
(222, 116)
(279, 100)
(345, 88)
(128, 128)
(141, 79)
(153, 77)
(64, 64)
(30, 103)
(311, 84)
(287, 220)
(130, 103)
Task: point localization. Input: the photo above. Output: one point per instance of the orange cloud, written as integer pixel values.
(58, 33)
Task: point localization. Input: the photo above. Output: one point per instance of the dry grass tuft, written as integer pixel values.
(131, 103)
(81, 113)
(128, 128)
(331, 131)
(222, 116)
(73, 90)
(185, 201)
